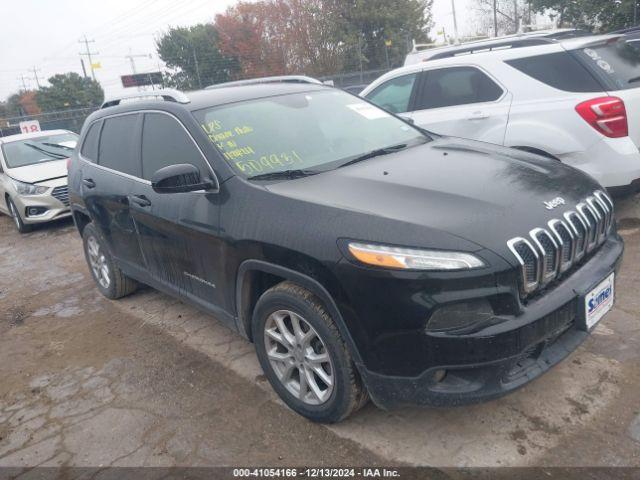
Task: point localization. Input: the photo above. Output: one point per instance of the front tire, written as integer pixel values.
(17, 219)
(109, 279)
(304, 356)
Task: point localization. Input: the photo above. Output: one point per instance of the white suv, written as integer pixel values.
(576, 100)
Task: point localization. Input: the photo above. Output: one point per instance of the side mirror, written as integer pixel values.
(179, 178)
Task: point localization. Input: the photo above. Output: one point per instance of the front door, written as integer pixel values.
(462, 102)
(178, 232)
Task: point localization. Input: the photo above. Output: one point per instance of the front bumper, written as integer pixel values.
(501, 358)
(52, 207)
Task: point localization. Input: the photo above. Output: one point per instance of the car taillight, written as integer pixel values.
(607, 115)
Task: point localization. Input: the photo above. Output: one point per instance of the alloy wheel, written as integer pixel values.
(299, 357)
(98, 262)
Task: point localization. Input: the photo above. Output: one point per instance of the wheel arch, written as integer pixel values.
(247, 295)
(81, 219)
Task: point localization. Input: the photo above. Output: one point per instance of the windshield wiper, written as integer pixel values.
(286, 174)
(58, 156)
(376, 153)
(57, 145)
(634, 80)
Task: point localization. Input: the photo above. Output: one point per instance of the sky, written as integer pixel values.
(45, 35)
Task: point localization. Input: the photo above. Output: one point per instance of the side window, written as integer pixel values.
(395, 94)
(164, 143)
(448, 87)
(118, 145)
(90, 145)
(558, 70)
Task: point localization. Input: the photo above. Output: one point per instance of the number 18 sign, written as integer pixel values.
(30, 126)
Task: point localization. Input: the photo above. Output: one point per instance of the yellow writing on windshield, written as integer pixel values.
(272, 162)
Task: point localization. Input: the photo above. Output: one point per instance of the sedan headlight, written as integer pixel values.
(412, 259)
(28, 189)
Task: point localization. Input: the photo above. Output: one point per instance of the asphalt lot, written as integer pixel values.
(148, 380)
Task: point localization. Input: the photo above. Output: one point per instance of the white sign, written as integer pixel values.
(599, 301)
(368, 111)
(30, 126)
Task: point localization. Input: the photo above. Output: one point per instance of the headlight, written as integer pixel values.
(411, 259)
(28, 189)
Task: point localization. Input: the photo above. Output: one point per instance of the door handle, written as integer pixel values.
(89, 183)
(478, 116)
(140, 200)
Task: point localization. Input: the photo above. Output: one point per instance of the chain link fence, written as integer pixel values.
(70, 119)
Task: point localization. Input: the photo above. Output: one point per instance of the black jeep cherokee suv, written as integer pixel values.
(363, 257)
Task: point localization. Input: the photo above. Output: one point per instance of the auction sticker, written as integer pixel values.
(368, 111)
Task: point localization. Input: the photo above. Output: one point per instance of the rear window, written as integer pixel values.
(558, 70)
(615, 64)
(118, 146)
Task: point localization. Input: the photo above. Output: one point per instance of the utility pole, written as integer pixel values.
(195, 59)
(455, 21)
(24, 83)
(516, 20)
(495, 18)
(88, 54)
(132, 58)
(35, 76)
(84, 70)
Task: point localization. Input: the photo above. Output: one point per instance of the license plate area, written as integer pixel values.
(597, 302)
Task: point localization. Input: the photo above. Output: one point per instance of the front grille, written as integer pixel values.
(549, 252)
(62, 194)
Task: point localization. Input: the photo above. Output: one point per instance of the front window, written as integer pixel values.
(39, 150)
(314, 132)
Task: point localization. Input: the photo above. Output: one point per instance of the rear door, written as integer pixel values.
(109, 169)
(461, 101)
(178, 232)
(616, 64)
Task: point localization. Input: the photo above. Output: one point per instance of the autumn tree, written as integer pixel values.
(194, 57)
(321, 37)
(69, 90)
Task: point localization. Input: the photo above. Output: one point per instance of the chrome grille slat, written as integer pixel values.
(62, 194)
(549, 252)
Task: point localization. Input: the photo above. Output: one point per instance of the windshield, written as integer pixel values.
(615, 63)
(314, 132)
(38, 150)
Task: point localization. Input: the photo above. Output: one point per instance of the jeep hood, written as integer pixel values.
(39, 172)
(479, 192)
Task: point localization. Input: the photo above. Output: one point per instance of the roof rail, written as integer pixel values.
(277, 79)
(168, 95)
(487, 47)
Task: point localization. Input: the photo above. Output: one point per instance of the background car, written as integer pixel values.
(33, 176)
(576, 100)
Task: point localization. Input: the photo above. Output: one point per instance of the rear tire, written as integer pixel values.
(17, 219)
(304, 356)
(109, 279)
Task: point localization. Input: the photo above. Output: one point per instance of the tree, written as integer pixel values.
(321, 37)
(511, 16)
(195, 58)
(385, 28)
(600, 15)
(69, 90)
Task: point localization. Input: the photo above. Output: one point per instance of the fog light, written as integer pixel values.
(460, 316)
(35, 211)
